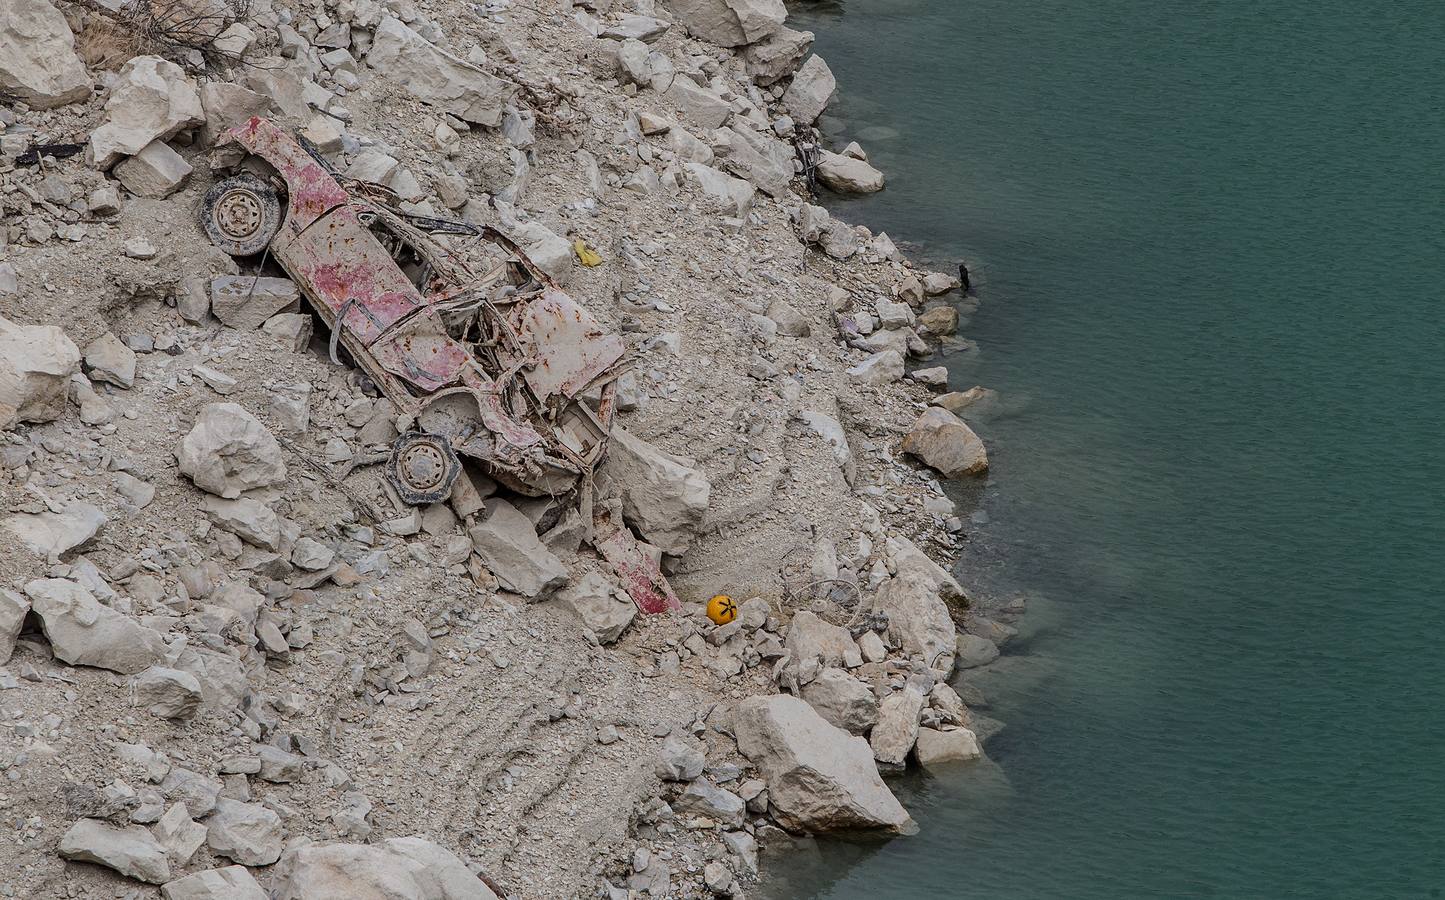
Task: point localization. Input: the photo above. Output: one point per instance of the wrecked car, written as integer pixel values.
(491, 365)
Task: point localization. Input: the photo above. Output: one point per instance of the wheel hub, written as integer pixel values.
(422, 466)
(238, 214)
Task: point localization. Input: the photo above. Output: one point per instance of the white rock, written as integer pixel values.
(437, 77)
(13, 608)
(36, 362)
(837, 239)
(935, 748)
(244, 302)
(247, 833)
(53, 534)
(702, 798)
(408, 868)
(819, 777)
(38, 65)
(937, 283)
(847, 175)
(698, 104)
(762, 160)
(918, 619)
(82, 632)
(843, 700)
(107, 358)
(734, 194)
(880, 368)
(638, 28)
(507, 544)
(828, 428)
(228, 451)
(312, 555)
(168, 693)
(811, 91)
(227, 105)
(729, 23)
(943, 441)
(892, 738)
(775, 58)
(546, 248)
(156, 171)
(664, 496)
(151, 100)
(132, 851)
(594, 601)
(679, 760)
(809, 638)
(228, 883)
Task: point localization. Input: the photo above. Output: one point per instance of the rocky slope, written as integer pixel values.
(235, 665)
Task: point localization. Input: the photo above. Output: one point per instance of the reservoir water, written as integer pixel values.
(1209, 235)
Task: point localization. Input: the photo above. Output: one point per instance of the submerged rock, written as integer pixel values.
(944, 442)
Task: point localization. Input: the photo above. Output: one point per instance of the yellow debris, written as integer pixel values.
(586, 255)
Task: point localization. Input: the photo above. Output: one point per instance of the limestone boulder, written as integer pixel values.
(848, 175)
(156, 171)
(550, 251)
(974, 651)
(436, 77)
(245, 302)
(247, 833)
(940, 320)
(407, 868)
(595, 602)
(809, 638)
(766, 162)
(108, 359)
(132, 851)
(729, 23)
(777, 56)
(227, 105)
(13, 608)
(918, 619)
(227, 883)
(835, 238)
(884, 367)
(679, 760)
(38, 64)
(811, 91)
(506, 541)
(36, 362)
(251, 520)
(897, 729)
(819, 778)
(52, 534)
(698, 104)
(228, 451)
(83, 632)
(734, 195)
(703, 798)
(168, 693)
(664, 496)
(151, 100)
(945, 443)
(844, 701)
(936, 748)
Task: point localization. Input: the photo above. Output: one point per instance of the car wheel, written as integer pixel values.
(241, 214)
(423, 468)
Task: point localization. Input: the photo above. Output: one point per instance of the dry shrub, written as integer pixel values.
(103, 44)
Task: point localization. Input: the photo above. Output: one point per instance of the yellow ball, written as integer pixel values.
(722, 609)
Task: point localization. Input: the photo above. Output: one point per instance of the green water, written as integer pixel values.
(1210, 235)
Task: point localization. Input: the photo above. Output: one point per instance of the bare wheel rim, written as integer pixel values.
(423, 466)
(238, 214)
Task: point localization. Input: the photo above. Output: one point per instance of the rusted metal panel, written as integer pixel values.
(641, 578)
(567, 347)
(312, 192)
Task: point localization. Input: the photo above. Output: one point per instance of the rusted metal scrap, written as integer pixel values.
(490, 366)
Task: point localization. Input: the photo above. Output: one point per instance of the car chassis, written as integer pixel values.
(492, 366)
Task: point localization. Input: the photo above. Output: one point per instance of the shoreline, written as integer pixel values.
(775, 457)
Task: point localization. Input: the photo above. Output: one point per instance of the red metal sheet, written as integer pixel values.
(641, 578)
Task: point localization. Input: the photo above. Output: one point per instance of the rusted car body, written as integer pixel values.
(490, 365)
